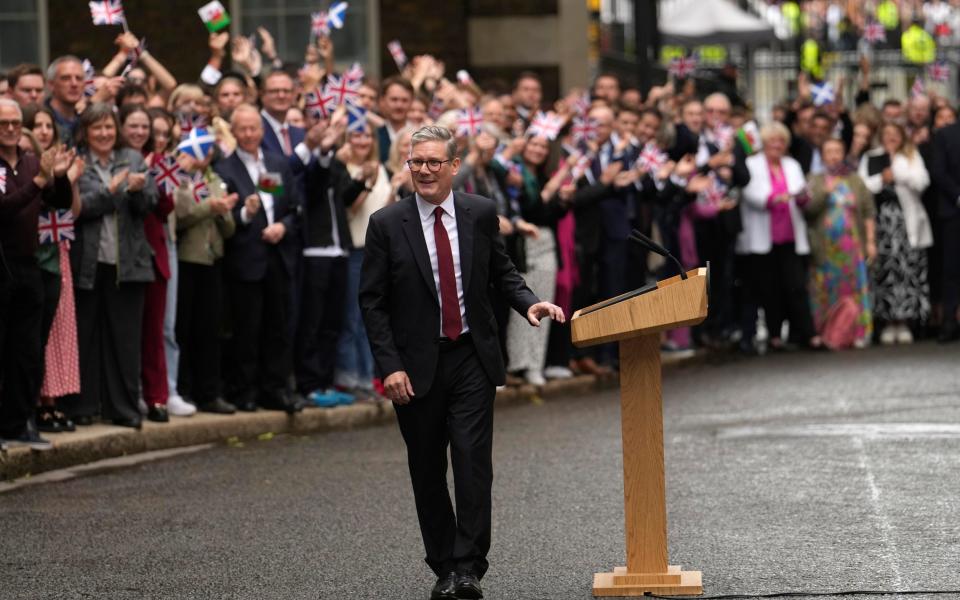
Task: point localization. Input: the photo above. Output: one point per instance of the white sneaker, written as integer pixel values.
(178, 407)
(861, 343)
(557, 372)
(888, 336)
(904, 336)
(535, 377)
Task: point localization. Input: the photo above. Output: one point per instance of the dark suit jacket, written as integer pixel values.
(383, 143)
(271, 143)
(247, 255)
(945, 169)
(398, 296)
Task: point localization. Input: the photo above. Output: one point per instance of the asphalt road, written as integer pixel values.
(796, 472)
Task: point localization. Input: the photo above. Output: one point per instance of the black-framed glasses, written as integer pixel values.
(415, 164)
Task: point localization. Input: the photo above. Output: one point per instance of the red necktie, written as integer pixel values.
(286, 140)
(449, 301)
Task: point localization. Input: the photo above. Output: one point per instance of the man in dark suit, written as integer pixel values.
(431, 261)
(259, 263)
(396, 96)
(945, 173)
(278, 96)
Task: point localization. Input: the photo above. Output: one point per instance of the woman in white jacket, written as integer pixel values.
(774, 242)
(896, 176)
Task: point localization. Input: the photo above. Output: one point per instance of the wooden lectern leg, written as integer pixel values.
(645, 507)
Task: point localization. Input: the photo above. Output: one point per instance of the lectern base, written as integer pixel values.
(672, 583)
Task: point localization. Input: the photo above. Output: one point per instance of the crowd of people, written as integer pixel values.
(142, 279)
(840, 24)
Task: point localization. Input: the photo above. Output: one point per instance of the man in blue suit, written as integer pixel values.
(259, 263)
(396, 96)
(278, 96)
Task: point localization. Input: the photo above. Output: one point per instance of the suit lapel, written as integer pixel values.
(413, 229)
(465, 235)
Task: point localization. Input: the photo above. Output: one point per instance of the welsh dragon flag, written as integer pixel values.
(214, 16)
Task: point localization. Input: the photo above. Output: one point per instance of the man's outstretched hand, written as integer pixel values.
(541, 310)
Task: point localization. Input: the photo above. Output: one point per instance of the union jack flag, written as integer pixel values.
(399, 56)
(167, 173)
(436, 107)
(583, 129)
(582, 104)
(716, 193)
(318, 105)
(200, 190)
(919, 88)
(722, 136)
(190, 121)
(939, 71)
(469, 122)
(55, 226)
(319, 25)
(3, 180)
(546, 124)
(581, 166)
(354, 73)
(89, 81)
(107, 12)
(342, 89)
(874, 32)
(651, 157)
(682, 67)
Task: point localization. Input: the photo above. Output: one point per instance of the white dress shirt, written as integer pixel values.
(301, 150)
(427, 220)
(255, 168)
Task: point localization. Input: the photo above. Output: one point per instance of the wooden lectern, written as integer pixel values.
(636, 320)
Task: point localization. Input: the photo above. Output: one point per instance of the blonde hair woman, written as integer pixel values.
(896, 176)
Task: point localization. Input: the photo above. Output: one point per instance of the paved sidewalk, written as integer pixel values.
(100, 441)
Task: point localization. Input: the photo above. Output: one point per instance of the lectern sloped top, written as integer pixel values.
(674, 303)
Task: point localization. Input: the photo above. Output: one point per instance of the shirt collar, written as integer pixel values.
(247, 157)
(426, 209)
(275, 124)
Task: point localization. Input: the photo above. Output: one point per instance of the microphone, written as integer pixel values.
(656, 248)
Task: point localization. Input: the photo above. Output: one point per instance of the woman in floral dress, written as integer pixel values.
(840, 217)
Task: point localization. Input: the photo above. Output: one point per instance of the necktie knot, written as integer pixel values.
(438, 213)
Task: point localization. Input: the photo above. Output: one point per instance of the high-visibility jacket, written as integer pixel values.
(810, 59)
(888, 14)
(791, 14)
(918, 46)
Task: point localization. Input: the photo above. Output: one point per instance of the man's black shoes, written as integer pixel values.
(468, 586)
(445, 588)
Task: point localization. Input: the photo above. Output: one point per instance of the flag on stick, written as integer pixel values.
(469, 122)
(197, 143)
(546, 124)
(107, 12)
(399, 56)
(55, 226)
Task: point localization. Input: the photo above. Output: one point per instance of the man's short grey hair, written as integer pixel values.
(52, 69)
(12, 104)
(433, 133)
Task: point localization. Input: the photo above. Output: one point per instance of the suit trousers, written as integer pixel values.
(109, 319)
(154, 359)
(778, 280)
(21, 346)
(321, 314)
(199, 301)
(457, 412)
(259, 355)
(950, 240)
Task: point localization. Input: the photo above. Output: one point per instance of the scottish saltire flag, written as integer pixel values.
(342, 89)
(89, 79)
(336, 15)
(822, 93)
(651, 157)
(197, 143)
(167, 174)
(469, 121)
(107, 12)
(319, 105)
(3, 180)
(399, 56)
(546, 124)
(55, 226)
(356, 118)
